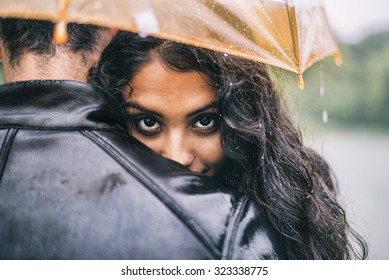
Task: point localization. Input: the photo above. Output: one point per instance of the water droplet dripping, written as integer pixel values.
(322, 88)
(325, 116)
(60, 32)
(338, 59)
(300, 81)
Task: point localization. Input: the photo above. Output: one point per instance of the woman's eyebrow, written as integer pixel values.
(141, 108)
(203, 108)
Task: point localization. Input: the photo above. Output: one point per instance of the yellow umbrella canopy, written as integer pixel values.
(291, 35)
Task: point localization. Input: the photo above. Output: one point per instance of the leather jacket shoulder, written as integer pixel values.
(74, 185)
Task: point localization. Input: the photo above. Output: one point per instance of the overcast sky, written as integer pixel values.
(353, 20)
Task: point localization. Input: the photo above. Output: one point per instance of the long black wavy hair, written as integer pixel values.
(266, 158)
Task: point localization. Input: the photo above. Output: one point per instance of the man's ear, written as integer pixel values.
(1, 51)
(114, 31)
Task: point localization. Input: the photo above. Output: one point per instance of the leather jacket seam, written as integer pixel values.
(5, 149)
(165, 198)
(232, 228)
(60, 128)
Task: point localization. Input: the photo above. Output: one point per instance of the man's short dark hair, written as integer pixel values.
(23, 35)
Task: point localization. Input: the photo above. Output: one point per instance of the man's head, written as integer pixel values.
(28, 50)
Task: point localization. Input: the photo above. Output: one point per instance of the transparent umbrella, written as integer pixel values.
(288, 34)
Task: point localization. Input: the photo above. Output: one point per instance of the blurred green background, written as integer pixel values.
(354, 95)
(343, 113)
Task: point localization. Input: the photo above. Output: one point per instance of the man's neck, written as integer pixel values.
(58, 67)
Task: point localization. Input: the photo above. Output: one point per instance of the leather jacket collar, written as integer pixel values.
(53, 104)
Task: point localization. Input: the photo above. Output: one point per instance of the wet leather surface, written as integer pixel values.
(74, 185)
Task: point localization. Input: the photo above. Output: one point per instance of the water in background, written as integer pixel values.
(360, 161)
(344, 114)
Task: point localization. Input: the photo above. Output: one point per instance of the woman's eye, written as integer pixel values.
(206, 124)
(147, 125)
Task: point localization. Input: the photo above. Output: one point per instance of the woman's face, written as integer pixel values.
(175, 114)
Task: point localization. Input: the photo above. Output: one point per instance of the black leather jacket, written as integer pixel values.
(74, 185)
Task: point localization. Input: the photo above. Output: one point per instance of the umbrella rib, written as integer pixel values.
(230, 17)
(294, 33)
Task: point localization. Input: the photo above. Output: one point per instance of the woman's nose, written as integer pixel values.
(178, 149)
(179, 154)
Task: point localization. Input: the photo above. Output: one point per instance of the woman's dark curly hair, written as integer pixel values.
(266, 158)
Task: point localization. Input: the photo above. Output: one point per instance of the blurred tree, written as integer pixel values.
(355, 94)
